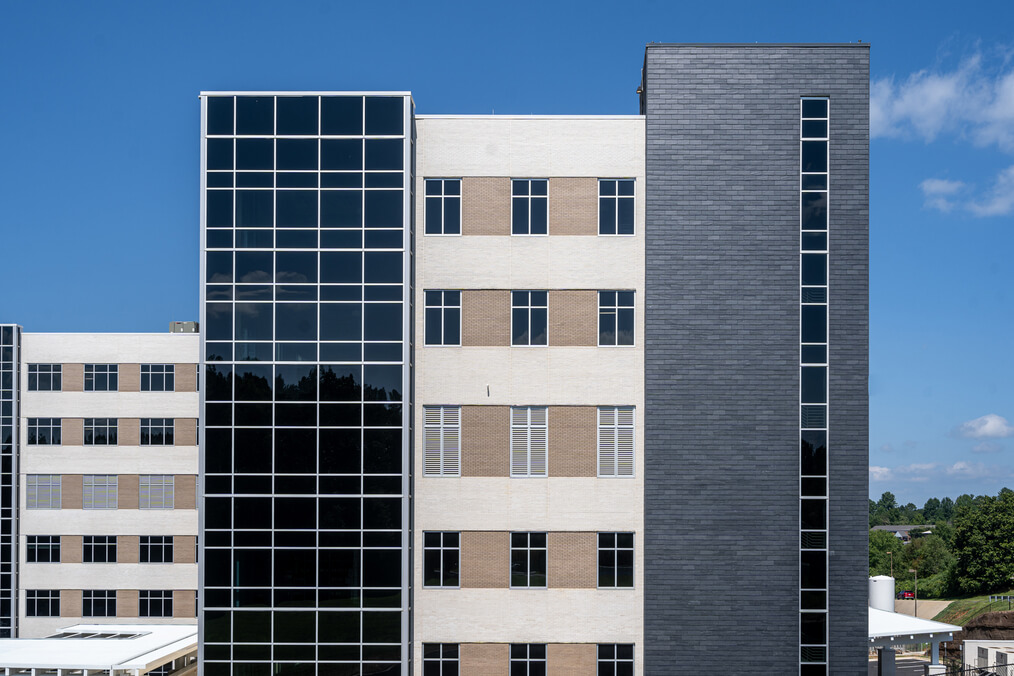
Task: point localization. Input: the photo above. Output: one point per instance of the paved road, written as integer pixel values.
(927, 609)
(905, 666)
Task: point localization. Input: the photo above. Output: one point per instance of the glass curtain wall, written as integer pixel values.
(10, 373)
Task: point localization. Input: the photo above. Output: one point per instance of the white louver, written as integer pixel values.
(442, 441)
(616, 441)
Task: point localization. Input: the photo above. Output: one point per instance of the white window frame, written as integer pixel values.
(155, 598)
(617, 455)
(443, 308)
(528, 660)
(167, 426)
(99, 491)
(167, 372)
(529, 308)
(615, 309)
(93, 372)
(529, 452)
(54, 373)
(530, 198)
(165, 545)
(46, 598)
(156, 491)
(616, 198)
(444, 199)
(54, 427)
(442, 441)
(43, 491)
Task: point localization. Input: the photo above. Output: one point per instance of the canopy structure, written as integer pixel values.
(108, 649)
(887, 629)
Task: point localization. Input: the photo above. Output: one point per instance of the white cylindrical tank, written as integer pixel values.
(882, 593)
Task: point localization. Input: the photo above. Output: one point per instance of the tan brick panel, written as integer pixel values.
(573, 441)
(486, 318)
(574, 318)
(573, 560)
(129, 377)
(185, 377)
(126, 602)
(127, 488)
(72, 432)
(485, 205)
(185, 491)
(571, 659)
(184, 603)
(485, 441)
(128, 549)
(71, 491)
(70, 603)
(485, 559)
(484, 659)
(73, 378)
(184, 549)
(71, 549)
(128, 432)
(185, 432)
(574, 206)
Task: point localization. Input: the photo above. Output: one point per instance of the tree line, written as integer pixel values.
(967, 546)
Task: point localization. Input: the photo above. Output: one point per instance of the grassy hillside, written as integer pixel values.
(963, 611)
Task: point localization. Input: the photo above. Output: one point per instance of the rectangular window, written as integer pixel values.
(616, 206)
(100, 431)
(528, 559)
(529, 318)
(100, 377)
(155, 603)
(157, 431)
(44, 431)
(43, 602)
(99, 603)
(443, 317)
(529, 206)
(440, 659)
(158, 377)
(616, 318)
(99, 549)
(43, 549)
(616, 659)
(442, 441)
(43, 491)
(616, 441)
(441, 555)
(443, 206)
(616, 560)
(99, 491)
(156, 549)
(45, 377)
(529, 441)
(528, 659)
(156, 491)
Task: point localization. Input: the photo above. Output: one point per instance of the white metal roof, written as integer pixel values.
(151, 643)
(886, 628)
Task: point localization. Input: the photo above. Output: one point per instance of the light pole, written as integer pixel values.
(913, 570)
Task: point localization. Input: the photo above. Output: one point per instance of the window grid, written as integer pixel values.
(441, 559)
(529, 206)
(615, 659)
(156, 491)
(616, 560)
(616, 318)
(441, 440)
(529, 318)
(99, 549)
(45, 377)
(43, 491)
(43, 549)
(529, 441)
(99, 603)
(100, 377)
(99, 491)
(440, 659)
(616, 441)
(528, 659)
(528, 560)
(156, 549)
(45, 431)
(616, 206)
(100, 431)
(443, 206)
(158, 377)
(155, 603)
(157, 431)
(443, 317)
(42, 602)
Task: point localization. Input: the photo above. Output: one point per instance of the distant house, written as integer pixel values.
(902, 531)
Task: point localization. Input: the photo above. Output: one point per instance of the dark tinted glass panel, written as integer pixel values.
(220, 115)
(813, 453)
(219, 153)
(255, 115)
(255, 153)
(814, 182)
(296, 352)
(384, 209)
(219, 321)
(341, 267)
(383, 351)
(813, 354)
(382, 455)
(253, 321)
(218, 267)
(814, 269)
(341, 115)
(813, 487)
(383, 321)
(814, 294)
(382, 383)
(813, 600)
(219, 180)
(255, 179)
(253, 382)
(218, 382)
(341, 155)
(254, 239)
(218, 352)
(341, 321)
(297, 115)
(219, 239)
(219, 208)
(294, 180)
(340, 383)
(340, 454)
(813, 570)
(295, 267)
(434, 216)
(250, 292)
(814, 211)
(253, 267)
(297, 153)
(814, 156)
(814, 128)
(297, 239)
(297, 208)
(814, 323)
(812, 514)
(383, 267)
(519, 216)
(389, 179)
(341, 180)
(295, 321)
(385, 115)
(814, 384)
(384, 154)
(814, 241)
(384, 239)
(341, 239)
(254, 208)
(812, 627)
(814, 107)
(341, 209)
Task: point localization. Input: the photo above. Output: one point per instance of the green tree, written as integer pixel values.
(930, 509)
(882, 542)
(984, 543)
(946, 512)
(927, 554)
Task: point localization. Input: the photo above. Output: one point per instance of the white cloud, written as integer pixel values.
(972, 470)
(987, 447)
(989, 426)
(880, 473)
(1000, 200)
(914, 472)
(939, 191)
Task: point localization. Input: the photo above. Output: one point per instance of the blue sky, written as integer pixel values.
(99, 163)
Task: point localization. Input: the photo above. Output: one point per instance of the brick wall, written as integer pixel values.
(573, 560)
(73, 377)
(485, 559)
(485, 441)
(574, 206)
(185, 377)
(573, 441)
(573, 317)
(485, 206)
(486, 318)
(129, 377)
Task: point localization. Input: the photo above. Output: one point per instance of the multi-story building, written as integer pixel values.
(106, 464)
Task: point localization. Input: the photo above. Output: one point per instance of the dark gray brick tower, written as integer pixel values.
(722, 448)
